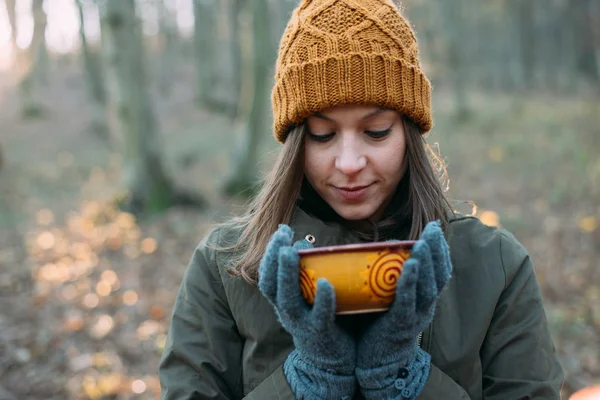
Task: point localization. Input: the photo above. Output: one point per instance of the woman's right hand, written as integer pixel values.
(324, 353)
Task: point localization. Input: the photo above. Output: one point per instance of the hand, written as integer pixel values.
(318, 340)
(391, 340)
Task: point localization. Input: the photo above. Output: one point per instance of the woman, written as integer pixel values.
(351, 105)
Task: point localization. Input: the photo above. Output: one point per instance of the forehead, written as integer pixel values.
(350, 112)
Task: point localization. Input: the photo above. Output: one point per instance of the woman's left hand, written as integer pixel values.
(389, 344)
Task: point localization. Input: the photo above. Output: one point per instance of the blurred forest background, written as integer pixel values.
(128, 128)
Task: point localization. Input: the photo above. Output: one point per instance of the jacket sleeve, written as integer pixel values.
(518, 356)
(441, 386)
(275, 387)
(203, 351)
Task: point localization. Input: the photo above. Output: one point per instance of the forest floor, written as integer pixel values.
(87, 291)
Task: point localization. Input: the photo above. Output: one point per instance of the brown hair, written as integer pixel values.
(428, 182)
(276, 200)
(273, 205)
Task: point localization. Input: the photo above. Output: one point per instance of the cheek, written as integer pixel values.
(312, 163)
(392, 163)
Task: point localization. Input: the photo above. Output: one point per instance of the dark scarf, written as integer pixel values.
(395, 224)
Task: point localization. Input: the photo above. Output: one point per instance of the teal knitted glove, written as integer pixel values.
(390, 364)
(322, 364)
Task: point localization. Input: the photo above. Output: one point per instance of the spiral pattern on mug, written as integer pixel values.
(307, 286)
(384, 274)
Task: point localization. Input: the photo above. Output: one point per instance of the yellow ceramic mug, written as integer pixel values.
(364, 276)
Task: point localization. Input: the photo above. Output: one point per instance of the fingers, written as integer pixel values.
(289, 297)
(404, 303)
(303, 244)
(426, 289)
(323, 311)
(285, 231)
(440, 253)
(267, 271)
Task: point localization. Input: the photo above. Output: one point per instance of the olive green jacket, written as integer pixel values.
(489, 338)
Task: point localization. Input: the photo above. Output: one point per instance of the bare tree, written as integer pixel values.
(233, 61)
(204, 36)
(168, 40)
(586, 20)
(218, 54)
(131, 112)
(95, 80)
(454, 26)
(12, 19)
(594, 14)
(245, 174)
(34, 63)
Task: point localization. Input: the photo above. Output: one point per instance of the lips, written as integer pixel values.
(352, 193)
(352, 189)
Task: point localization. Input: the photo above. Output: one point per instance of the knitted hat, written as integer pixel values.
(348, 51)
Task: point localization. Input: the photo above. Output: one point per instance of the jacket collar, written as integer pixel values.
(326, 233)
(312, 205)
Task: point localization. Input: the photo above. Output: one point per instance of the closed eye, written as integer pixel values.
(321, 138)
(379, 134)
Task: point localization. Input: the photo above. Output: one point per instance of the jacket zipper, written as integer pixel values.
(420, 337)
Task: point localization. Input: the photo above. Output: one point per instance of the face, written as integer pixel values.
(355, 158)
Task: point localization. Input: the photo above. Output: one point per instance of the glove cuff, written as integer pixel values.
(310, 382)
(381, 355)
(341, 362)
(397, 381)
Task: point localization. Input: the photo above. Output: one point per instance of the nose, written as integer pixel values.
(350, 159)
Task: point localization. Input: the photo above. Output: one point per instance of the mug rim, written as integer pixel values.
(343, 248)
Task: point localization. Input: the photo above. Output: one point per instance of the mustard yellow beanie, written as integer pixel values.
(348, 52)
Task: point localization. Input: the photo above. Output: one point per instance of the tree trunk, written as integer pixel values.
(585, 37)
(132, 118)
(235, 56)
(216, 42)
(595, 26)
(34, 65)
(514, 75)
(525, 13)
(91, 61)
(452, 17)
(479, 70)
(12, 19)
(245, 176)
(204, 36)
(41, 56)
(168, 39)
(569, 20)
(95, 80)
(550, 57)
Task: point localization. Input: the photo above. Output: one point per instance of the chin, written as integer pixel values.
(354, 213)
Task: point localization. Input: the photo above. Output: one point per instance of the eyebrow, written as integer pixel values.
(369, 115)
